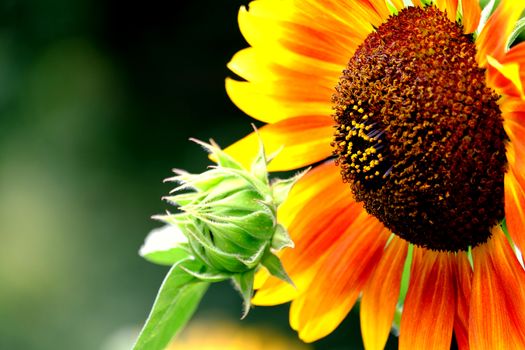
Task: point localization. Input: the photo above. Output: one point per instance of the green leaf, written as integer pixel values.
(281, 188)
(244, 283)
(199, 182)
(519, 28)
(244, 199)
(208, 276)
(273, 155)
(251, 180)
(252, 261)
(213, 256)
(182, 199)
(396, 323)
(275, 267)
(246, 230)
(218, 155)
(176, 301)
(165, 246)
(405, 277)
(166, 257)
(259, 164)
(281, 239)
(229, 183)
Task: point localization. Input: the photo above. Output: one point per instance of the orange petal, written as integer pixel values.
(513, 111)
(510, 104)
(515, 209)
(303, 262)
(380, 295)
(493, 38)
(317, 212)
(339, 280)
(463, 289)
(497, 305)
(505, 78)
(471, 15)
(302, 141)
(308, 191)
(516, 53)
(506, 75)
(430, 302)
(516, 151)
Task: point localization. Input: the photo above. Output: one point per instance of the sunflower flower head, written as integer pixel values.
(413, 115)
(419, 135)
(228, 217)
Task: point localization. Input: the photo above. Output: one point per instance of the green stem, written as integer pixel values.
(176, 302)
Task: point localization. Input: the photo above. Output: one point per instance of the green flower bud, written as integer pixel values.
(229, 217)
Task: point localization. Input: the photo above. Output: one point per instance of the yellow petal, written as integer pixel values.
(339, 280)
(264, 105)
(300, 50)
(284, 27)
(317, 213)
(252, 65)
(301, 141)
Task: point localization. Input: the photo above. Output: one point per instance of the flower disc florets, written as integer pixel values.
(419, 135)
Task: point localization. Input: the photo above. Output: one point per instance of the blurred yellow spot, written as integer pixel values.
(227, 335)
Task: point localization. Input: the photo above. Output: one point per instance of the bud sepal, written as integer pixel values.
(229, 216)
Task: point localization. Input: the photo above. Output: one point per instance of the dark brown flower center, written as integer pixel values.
(419, 135)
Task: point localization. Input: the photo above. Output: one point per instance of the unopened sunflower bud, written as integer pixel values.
(229, 217)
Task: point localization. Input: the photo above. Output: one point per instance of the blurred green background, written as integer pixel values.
(97, 102)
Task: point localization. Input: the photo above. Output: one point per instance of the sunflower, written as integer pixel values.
(414, 119)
